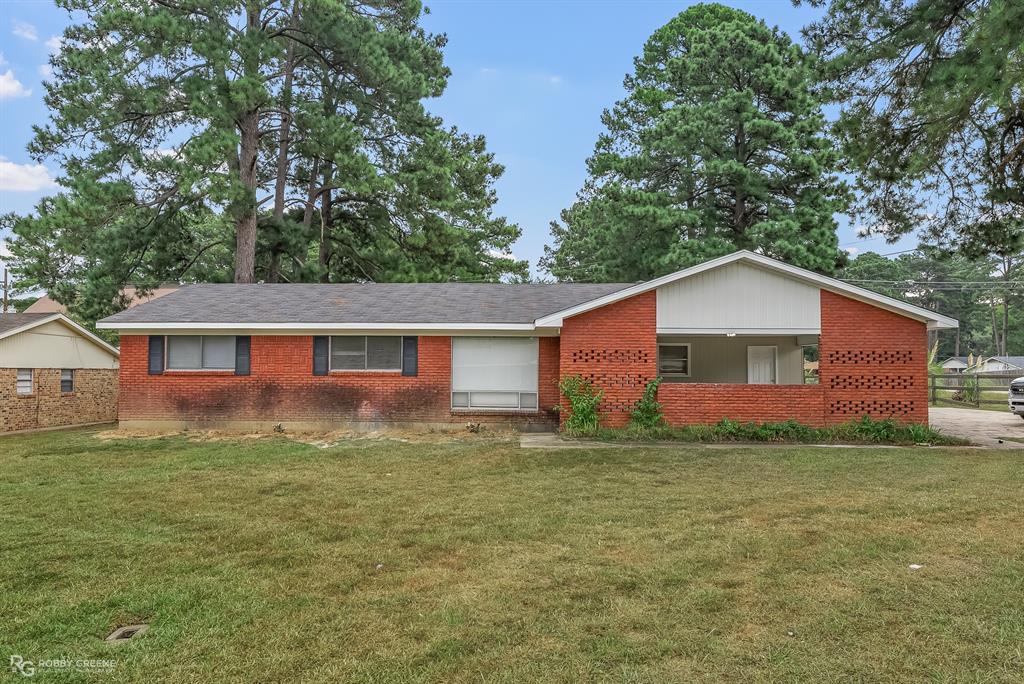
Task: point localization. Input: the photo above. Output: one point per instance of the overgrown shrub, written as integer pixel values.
(584, 399)
(647, 413)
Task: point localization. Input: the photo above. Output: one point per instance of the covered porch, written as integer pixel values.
(741, 377)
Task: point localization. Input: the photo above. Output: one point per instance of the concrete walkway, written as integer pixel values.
(993, 429)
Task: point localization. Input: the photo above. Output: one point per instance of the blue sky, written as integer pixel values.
(533, 76)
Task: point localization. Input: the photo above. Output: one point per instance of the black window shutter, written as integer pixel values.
(156, 354)
(410, 355)
(243, 359)
(321, 355)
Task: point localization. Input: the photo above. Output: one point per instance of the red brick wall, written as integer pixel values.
(696, 403)
(547, 370)
(616, 348)
(873, 362)
(282, 387)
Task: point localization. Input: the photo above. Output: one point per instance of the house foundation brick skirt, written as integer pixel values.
(94, 399)
(699, 403)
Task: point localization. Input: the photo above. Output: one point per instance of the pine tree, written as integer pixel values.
(718, 146)
(932, 120)
(231, 140)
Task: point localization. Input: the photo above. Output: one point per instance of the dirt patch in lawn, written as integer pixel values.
(321, 440)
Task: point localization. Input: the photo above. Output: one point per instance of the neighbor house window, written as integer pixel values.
(67, 380)
(674, 360)
(24, 382)
(201, 352)
(361, 352)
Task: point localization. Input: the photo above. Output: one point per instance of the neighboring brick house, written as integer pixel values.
(727, 337)
(53, 373)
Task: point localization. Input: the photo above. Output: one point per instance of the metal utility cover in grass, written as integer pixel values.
(125, 633)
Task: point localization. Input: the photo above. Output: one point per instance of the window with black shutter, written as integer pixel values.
(156, 354)
(243, 356)
(321, 355)
(410, 356)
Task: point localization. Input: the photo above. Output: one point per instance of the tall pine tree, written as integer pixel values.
(932, 118)
(718, 146)
(254, 139)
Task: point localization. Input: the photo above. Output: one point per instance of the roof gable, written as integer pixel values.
(15, 324)
(933, 320)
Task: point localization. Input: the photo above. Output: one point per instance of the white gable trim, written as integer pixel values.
(67, 322)
(934, 320)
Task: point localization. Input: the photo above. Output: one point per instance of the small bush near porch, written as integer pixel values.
(474, 560)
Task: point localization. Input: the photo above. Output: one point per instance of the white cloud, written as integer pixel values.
(25, 30)
(24, 177)
(3, 60)
(5, 251)
(54, 43)
(852, 251)
(488, 71)
(46, 71)
(12, 87)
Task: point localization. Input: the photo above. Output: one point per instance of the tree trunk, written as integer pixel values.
(249, 128)
(307, 212)
(326, 219)
(283, 138)
(956, 348)
(739, 211)
(245, 225)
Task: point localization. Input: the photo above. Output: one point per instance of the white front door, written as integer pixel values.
(761, 365)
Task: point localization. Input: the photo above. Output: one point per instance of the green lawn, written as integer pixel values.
(476, 561)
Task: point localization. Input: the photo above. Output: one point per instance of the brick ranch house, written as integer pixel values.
(726, 336)
(54, 372)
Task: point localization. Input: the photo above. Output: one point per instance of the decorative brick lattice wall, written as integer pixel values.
(94, 399)
(873, 362)
(616, 348)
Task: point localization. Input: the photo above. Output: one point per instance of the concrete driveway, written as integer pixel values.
(984, 428)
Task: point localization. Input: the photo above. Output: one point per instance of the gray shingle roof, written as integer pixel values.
(11, 321)
(363, 303)
(1017, 361)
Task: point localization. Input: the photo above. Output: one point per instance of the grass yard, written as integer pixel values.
(474, 560)
(991, 400)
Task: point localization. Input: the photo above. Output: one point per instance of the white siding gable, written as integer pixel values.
(740, 298)
(53, 345)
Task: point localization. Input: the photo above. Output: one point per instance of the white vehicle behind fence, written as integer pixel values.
(1016, 396)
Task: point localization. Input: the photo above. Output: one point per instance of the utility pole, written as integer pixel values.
(5, 290)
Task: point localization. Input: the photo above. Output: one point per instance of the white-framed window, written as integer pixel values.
(494, 373)
(67, 380)
(200, 352)
(674, 359)
(366, 352)
(24, 384)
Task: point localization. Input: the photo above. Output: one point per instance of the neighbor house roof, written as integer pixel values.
(424, 305)
(12, 321)
(46, 305)
(16, 323)
(1016, 361)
